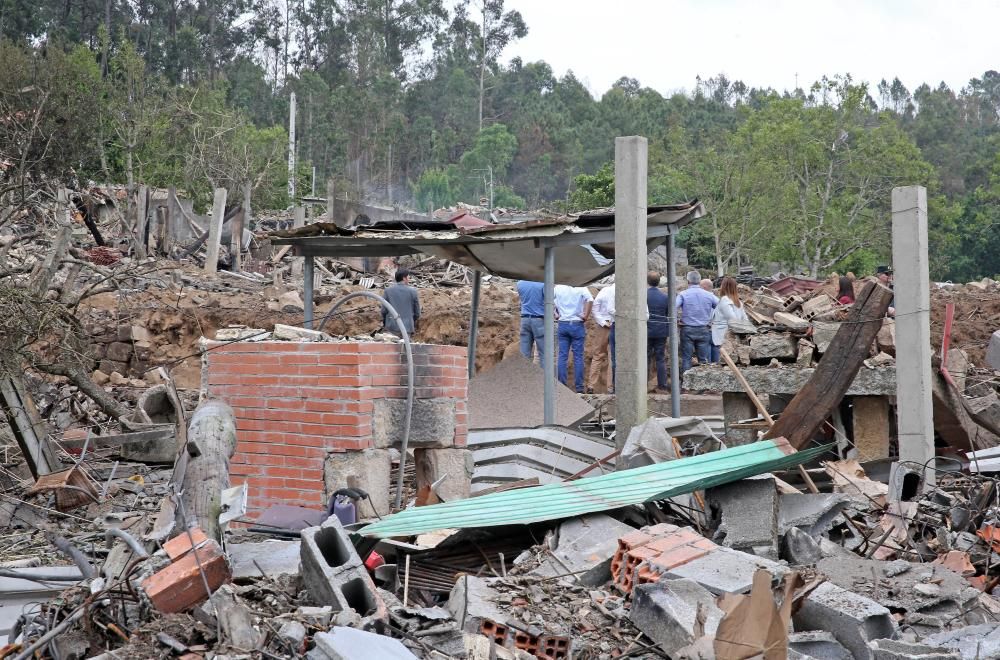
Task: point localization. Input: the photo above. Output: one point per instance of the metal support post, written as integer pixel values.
(308, 282)
(675, 371)
(477, 283)
(549, 359)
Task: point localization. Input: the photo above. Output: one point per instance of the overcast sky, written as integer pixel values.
(764, 43)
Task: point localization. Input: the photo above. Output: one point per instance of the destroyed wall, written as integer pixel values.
(308, 408)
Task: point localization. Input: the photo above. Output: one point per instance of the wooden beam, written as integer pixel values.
(816, 401)
(161, 432)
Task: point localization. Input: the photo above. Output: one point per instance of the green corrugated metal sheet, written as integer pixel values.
(601, 493)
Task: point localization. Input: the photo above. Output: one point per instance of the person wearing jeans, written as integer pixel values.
(532, 295)
(572, 309)
(695, 306)
(657, 328)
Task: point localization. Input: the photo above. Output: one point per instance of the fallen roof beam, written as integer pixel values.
(816, 401)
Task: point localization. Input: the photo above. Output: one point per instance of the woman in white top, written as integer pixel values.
(730, 308)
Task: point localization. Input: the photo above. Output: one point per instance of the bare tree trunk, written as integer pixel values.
(213, 432)
(107, 42)
(482, 72)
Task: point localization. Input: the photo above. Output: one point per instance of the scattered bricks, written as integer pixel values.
(343, 643)
(179, 586)
(495, 631)
(767, 346)
(473, 601)
(455, 465)
(818, 644)
(432, 423)
(585, 548)
(745, 514)
(527, 641)
(554, 647)
(369, 469)
(669, 612)
(180, 545)
(853, 619)
(888, 649)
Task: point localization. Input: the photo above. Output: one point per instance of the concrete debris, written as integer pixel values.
(814, 514)
(993, 351)
(799, 548)
(818, 644)
(853, 619)
(675, 614)
(351, 644)
(653, 441)
(584, 549)
(888, 649)
(746, 515)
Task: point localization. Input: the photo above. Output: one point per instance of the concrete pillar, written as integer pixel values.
(308, 285)
(871, 427)
(548, 361)
(215, 231)
(298, 220)
(737, 407)
(630, 284)
(915, 422)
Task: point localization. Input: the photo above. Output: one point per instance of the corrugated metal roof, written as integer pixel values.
(592, 494)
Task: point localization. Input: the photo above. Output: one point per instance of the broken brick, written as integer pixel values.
(179, 586)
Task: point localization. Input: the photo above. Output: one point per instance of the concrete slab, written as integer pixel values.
(668, 612)
(818, 644)
(853, 619)
(888, 649)
(814, 514)
(275, 558)
(880, 381)
(351, 644)
(495, 403)
(586, 544)
(746, 513)
(982, 641)
(472, 601)
(726, 570)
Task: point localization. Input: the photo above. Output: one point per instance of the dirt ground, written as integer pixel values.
(177, 315)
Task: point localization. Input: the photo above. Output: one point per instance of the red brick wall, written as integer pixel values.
(295, 402)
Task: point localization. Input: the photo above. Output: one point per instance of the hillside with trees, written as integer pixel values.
(415, 102)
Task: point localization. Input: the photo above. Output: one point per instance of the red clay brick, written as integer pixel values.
(179, 586)
(180, 544)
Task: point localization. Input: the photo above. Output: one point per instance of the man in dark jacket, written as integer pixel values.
(405, 301)
(657, 328)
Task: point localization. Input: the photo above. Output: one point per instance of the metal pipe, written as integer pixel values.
(52, 634)
(409, 375)
(308, 282)
(134, 545)
(549, 359)
(675, 371)
(477, 283)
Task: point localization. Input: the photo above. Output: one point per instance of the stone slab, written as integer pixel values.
(512, 394)
(586, 546)
(667, 613)
(276, 558)
(880, 381)
(432, 423)
(343, 643)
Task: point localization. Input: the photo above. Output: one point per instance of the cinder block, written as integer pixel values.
(455, 464)
(369, 470)
(179, 586)
(746, 515)
(853, 619)
(432, 423)
(667, 612)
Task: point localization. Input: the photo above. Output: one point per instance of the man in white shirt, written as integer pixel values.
(603, 311)
(572, 309)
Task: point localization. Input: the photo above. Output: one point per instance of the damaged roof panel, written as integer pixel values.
(593, 494)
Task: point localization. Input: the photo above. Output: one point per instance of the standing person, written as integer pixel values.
(845, 296)
(657, 328)
(405, 300)
(695, 306)
(603, 311)
(730, 308)
(532, 295)
(706, 284)
(572, 309)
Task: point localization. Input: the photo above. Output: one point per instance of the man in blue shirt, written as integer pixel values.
(695, 306)
(657, 328)
(532, 296)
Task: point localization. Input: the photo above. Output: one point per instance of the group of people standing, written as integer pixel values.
(703, 320)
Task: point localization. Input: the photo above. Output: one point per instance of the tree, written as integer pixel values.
(497, 29)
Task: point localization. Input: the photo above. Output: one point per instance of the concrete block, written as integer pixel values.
(179, 586)
(473, 601)
(888, 649)
(293, 633)
(726, 570)
(369, 469)
(871, 427)
(812, 513)
(293, 333)
(747, 515)
(853, 619)
(737, 407)
(276, 558)
(823, 333)
(119, 352)
(818, 644)
(982, 641)
(432, 423)
(770, 345)
(351, 644)
(799, 549)
(586, 544)
(993, 352)
(455, 464)
(334, 574)
(667, 612)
